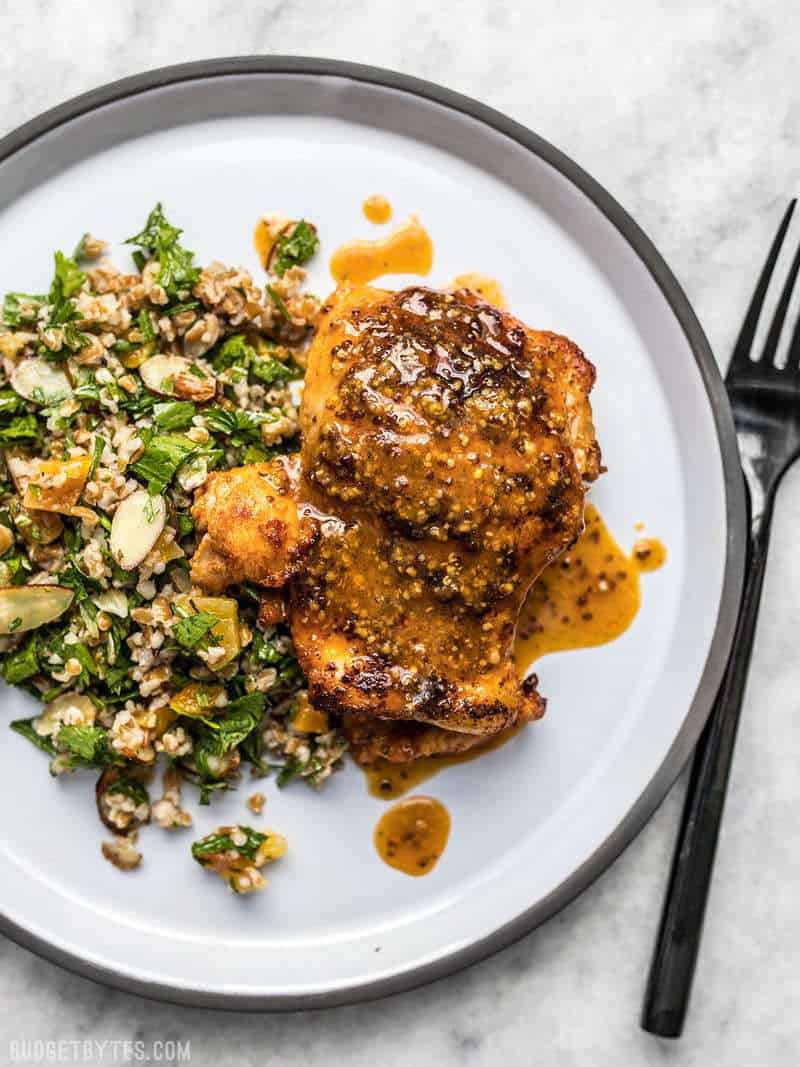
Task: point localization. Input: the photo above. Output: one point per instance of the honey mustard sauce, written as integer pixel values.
(388, 780)
(377, 209)
(588, 597)
(487, 288)
(412, 835)
(406, 250)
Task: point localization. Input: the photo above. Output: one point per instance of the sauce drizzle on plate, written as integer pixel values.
(377, 209)
(406, 250)
(588, 597)
(412, 835)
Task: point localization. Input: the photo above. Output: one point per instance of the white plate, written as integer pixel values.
(220, 143)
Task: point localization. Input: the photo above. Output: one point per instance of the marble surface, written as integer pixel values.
(687, 112)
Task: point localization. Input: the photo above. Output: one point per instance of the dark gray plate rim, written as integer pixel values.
(696, 717)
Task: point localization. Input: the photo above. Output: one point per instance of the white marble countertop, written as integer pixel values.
(688, 113)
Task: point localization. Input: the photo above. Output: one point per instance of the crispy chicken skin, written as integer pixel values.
(449, 445)
(252, 528)
(398, 741)
(445, 451)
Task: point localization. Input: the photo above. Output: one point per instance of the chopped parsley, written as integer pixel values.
(62, 312)
(294, 248)
(174, 415)
(88, 745)
(177, 273)
(194, 631)
(238, 426)
(19, 430)
(145, 324)
(163, 455)
(22, 664)
(214, 843)
(25, 728)
(233, 352)
(280, 307)
(21, 308)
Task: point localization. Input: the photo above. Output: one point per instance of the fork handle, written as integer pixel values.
(672, 968)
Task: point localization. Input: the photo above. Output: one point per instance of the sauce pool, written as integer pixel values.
(377, 209)
(412, 835)
(407, 250)
(649, 554)
(588, 597)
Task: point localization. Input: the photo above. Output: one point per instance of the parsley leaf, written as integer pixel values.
(62, 312)
(88, 744)
(270, 370)
(211, 845)
(233, 352)
(145, 324)
(19, 308)
(10, 402)
(98, 446)
(174, 415)
(194, 631)
(238, 426)
(220, 736)
(162, 457)
(295, 247)
(280, 307)
(19, 429)
(67, 280)
(240, 718)
(24, 727)
(159, 238)
(24, 663)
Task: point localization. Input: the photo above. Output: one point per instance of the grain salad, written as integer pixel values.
(119, 392)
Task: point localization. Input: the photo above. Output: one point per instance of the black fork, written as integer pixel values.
(766, 408)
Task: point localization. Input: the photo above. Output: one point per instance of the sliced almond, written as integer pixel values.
(40, 381)
(173, 376)
(20, 467)
(74, 708)
(56, 484)
(135, 528)
(112, 601)
(160, 372)
(25, 607)
(191, 386)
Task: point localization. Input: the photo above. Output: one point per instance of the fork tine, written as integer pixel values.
(740, 360)
(771, 344)
(793, 359)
